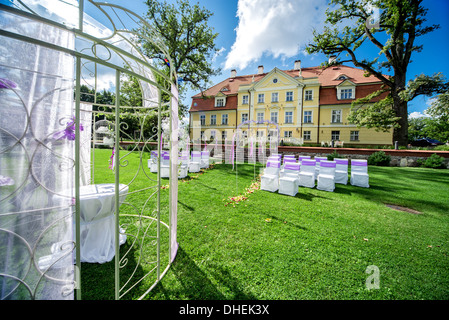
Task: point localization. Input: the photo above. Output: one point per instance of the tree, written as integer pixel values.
(347, 28)
(190, 41)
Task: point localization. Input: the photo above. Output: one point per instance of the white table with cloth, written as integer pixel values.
(97, 226)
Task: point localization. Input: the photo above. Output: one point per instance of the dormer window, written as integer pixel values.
(220, 101)
(346, 90)
(343, 77)
(346, 94)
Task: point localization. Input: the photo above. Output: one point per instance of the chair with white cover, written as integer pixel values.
(270, 179)
(152, 162)
(285, 161)
(317, 165)
(204, 163)
(183, 165)
(165, 165)
(326, 177)
(194, 164)
(289, 182)
(307, 173)
(341, 171)
(359, 173)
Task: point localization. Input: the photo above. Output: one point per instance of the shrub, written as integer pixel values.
(333, 155)
(379, 158)
(434, 161)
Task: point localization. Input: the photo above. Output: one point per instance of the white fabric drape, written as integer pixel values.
(37, 155)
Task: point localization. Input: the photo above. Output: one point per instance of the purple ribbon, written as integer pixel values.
(7, 84)
(196, 155)
(69, 132)
(204, 153)
(166, 157)
(308, 162)
(341, 161)
(286, 160)
(359, 163)
(6, 181)
(327, 164)
(292, 166)
(273, 164)
(111, 160)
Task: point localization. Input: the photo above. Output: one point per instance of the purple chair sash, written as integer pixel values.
(341, 161)
(273, 164)
(327, 164)
(196, 155)
(308, 162)
(292, 166)
(359, 163)
(166, 157)
(204, 153)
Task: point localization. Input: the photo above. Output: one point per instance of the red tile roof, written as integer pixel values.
(327, 77)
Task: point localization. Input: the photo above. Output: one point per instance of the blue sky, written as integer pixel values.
(274, 33)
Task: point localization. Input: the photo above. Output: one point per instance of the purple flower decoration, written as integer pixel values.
(7, 84)
(69, 132)
(6, 181)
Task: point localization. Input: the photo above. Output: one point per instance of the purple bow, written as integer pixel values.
(273, 164)
(69, 132)
(7, 84)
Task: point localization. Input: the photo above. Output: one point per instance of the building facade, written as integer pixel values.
(309, 106)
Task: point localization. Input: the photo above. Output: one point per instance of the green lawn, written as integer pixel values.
(316, 245)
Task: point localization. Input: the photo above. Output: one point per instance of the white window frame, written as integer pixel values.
(213, 119)
(245, 99)
(288, 134)
(308, 95)
(289, 117)
(220, 101)
(261, 98)
(354, 135)
(223, 117)
(203, 119)
(274, 113)
(307, 116)
(345, 93)
(336, 116)
(224, 135)
(289, 96)
(335, 135)
(212, 134)
(259, 133)
(260, 117)
(307, 135)
(275, 97)
(244, 115)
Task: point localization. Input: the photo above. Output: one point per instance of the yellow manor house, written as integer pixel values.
(309, 106)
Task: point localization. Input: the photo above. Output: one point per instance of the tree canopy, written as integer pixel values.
(391, 26)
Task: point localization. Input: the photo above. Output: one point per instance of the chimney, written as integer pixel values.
(260, 70)
(332, 59)
(233, 73)
(297, 65)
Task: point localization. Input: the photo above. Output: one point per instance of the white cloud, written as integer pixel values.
(417, 114)
(279, 28)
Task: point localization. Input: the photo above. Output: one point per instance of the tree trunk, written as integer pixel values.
(400, 134)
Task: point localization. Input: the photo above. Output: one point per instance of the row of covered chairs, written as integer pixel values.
(194, 163)
(287, 175)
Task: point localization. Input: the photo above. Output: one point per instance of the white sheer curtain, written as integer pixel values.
(36, 162)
